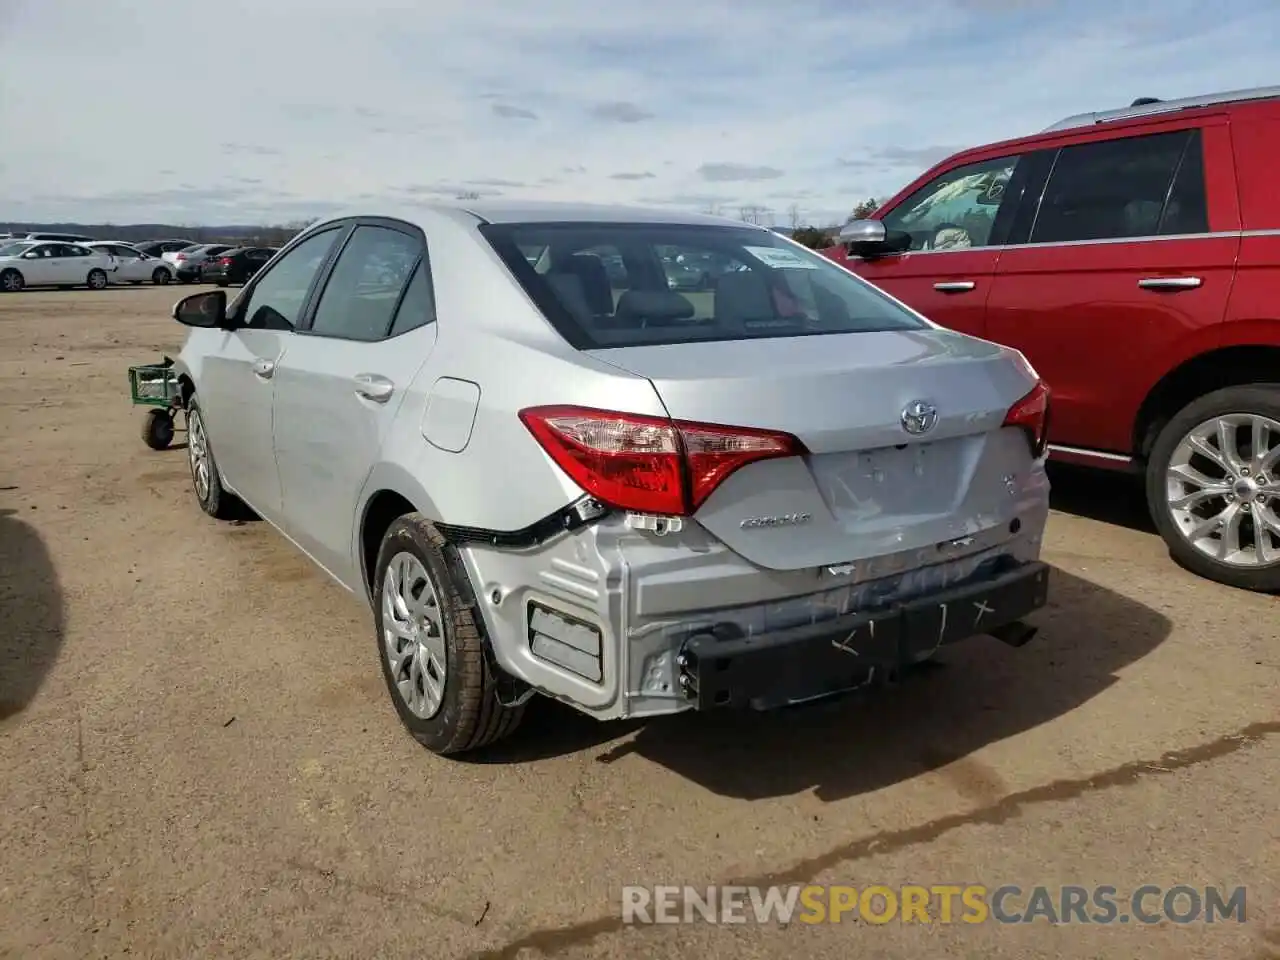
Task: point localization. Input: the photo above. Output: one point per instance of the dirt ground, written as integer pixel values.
(199, 758)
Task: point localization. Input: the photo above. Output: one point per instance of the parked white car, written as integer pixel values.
(34, 263)
(132, 265)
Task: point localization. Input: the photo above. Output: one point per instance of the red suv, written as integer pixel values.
(1133, 256)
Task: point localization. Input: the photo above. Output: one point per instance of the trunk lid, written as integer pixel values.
(867, 487)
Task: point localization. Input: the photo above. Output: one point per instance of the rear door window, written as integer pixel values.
(361, 294)
(1122, 188)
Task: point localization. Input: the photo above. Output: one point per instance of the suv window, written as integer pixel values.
(956, 209)
(1113, 189)
(361, 294)
(276, 300)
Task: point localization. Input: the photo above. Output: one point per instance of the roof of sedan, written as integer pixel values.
(530, 211)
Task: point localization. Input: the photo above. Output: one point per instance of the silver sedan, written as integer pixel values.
(546, 476)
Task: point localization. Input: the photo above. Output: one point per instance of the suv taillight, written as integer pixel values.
(1031, 414)
(649, 464)
(179, 256)
(225, 261)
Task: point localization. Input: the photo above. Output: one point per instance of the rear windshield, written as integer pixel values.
(630, 284)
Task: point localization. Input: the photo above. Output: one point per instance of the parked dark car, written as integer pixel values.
(153, 248)
(236, 265)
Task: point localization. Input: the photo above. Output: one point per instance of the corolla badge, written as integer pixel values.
(783, 520)
(919, 416)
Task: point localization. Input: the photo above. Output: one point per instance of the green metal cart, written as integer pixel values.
(155, 385)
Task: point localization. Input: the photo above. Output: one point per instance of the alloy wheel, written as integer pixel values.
(198, 454)
(1222, 489)
(413, 635)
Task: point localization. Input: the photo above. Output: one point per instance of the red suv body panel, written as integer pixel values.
(1106, 319)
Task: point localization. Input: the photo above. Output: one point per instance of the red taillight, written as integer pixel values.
(179, 256)
(225, 261)
(649, 464)
(1031, 414)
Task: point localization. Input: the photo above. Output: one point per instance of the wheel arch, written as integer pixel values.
(1229, 366)
(389, 493)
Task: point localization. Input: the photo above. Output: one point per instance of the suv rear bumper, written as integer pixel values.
(721, 667)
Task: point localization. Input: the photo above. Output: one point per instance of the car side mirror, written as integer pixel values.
(207, 310)
(30, 256)
(869, 239)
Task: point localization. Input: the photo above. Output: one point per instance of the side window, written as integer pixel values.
(276, 300)
(417, 306)
(1188, 208)
(956, 209)
(1110, 189)
(364, 288)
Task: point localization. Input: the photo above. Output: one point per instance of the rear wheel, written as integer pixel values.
(11, 281)
(97, 280)
(160, 276)
(431, 643)
(1213, 486)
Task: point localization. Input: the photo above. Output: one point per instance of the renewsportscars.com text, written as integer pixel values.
(939, 903)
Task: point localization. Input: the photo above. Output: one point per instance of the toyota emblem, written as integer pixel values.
(919, 416)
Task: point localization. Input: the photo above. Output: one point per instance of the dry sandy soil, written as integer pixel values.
(200, 760)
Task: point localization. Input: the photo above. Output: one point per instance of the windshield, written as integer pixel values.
(14, 249)
(629, 284)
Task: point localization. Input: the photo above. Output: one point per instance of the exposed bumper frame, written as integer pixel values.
(721, 667)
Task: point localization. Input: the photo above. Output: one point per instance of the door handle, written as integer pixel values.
(264, 368)
(373, 387)
(1169, 283)
(954, 286)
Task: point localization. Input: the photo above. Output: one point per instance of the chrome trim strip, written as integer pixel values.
(1215, 235)
(1095, 454)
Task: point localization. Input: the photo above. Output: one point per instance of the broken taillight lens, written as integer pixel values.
(1031, 415)
(649, 464)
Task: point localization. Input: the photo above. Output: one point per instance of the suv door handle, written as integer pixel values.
(374, 387)
(264, 368)
(1169, 283)
(954, 286)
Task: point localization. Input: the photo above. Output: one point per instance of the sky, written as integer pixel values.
(249, 111)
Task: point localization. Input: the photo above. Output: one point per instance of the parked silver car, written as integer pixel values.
(549, 477)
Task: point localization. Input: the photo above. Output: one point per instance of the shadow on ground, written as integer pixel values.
(1102, 495)
(31, 609)
(980, 692)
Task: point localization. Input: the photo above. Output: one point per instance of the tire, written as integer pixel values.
(1262, 572)
(223, 283)
(160, 276)
(97, 280)
(213, 500)
(157, 429)
(11, 281)
(469, 713)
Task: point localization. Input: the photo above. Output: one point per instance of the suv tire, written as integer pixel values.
(1256, 400)
(468, 713)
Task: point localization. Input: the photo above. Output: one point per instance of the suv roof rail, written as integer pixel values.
(1150, 106)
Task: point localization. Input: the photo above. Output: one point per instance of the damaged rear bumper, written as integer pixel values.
(719, 666)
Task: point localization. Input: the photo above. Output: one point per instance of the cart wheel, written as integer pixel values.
(157, 429)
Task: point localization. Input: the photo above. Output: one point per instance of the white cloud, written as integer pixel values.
(156, 110)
